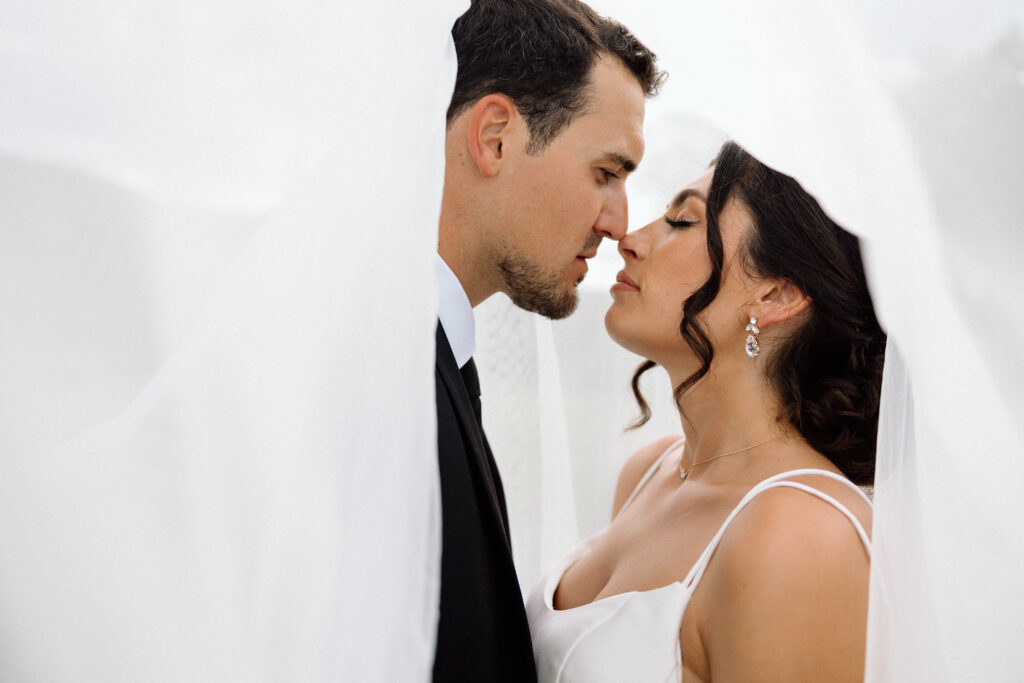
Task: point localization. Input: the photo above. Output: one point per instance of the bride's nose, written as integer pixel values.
(632, 245)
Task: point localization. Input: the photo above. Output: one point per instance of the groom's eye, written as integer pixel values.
(607, 175)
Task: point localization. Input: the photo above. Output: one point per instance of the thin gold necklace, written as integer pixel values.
(683, 471)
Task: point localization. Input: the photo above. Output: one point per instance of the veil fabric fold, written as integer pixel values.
(218, 228)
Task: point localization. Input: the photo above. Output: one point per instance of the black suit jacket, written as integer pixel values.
(483, 634)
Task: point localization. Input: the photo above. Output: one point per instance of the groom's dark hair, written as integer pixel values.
(539, 53)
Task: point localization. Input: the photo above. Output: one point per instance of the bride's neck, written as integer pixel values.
(726, 410)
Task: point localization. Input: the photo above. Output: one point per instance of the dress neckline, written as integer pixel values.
(554, 580)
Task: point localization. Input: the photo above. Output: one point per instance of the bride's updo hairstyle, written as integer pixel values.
(828, 374)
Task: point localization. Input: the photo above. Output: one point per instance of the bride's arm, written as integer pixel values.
(634, 469)
(785, 597)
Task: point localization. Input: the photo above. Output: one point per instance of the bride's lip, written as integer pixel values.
(622, 277)
(624, 283)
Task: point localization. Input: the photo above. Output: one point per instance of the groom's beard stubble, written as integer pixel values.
(533, 289)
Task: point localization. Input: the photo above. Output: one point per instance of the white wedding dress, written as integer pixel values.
(634, 636)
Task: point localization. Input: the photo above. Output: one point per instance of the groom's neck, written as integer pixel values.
(468, 268)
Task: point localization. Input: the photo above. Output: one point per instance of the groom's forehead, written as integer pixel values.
(611, 125)
(611, 144)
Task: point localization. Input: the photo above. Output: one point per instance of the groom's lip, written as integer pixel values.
(582, 259)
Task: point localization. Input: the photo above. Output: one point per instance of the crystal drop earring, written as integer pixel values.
(751, 346)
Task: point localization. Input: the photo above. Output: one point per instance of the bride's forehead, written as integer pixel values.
(702, 183)
(698, 188)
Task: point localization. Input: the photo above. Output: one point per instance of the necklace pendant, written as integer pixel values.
(682, 474)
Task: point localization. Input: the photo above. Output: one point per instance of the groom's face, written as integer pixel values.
(560, 203)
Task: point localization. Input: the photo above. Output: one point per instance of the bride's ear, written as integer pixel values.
(782, 300)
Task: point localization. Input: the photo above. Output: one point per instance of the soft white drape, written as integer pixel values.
(217, 452)
(905, 121)
(217, 282)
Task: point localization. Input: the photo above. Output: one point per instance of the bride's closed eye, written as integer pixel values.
(680, 223)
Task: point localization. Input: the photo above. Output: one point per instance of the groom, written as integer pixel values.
(543, 128)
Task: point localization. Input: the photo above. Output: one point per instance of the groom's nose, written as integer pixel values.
(613, 219)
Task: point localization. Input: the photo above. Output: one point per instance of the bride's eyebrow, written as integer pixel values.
(686, 194)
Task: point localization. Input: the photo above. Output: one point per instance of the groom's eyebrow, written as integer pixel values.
(625, 162)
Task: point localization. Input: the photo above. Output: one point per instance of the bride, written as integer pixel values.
(739, 551)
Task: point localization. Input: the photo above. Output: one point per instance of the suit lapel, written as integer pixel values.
(478, 457)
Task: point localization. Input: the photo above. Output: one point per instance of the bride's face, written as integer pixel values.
(665, 262)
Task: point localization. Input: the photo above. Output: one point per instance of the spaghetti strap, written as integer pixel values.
(779, 481)
(835, 503)
(649, 473)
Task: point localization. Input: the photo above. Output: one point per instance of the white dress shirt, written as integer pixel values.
(455, 313)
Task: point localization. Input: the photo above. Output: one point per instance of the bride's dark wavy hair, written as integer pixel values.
(828, 374)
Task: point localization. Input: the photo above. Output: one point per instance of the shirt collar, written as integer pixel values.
(455, 313)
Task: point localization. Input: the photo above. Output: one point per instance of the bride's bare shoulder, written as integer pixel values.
(636, 465)
(787, 591)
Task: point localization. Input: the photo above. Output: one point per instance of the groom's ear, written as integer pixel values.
(492, 123)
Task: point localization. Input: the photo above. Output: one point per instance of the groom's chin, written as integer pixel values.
(554, 304)
(559, 307)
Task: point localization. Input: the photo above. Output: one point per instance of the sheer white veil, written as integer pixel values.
(217, 446)
(217, 436)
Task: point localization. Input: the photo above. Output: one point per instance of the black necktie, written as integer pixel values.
(472, 382)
